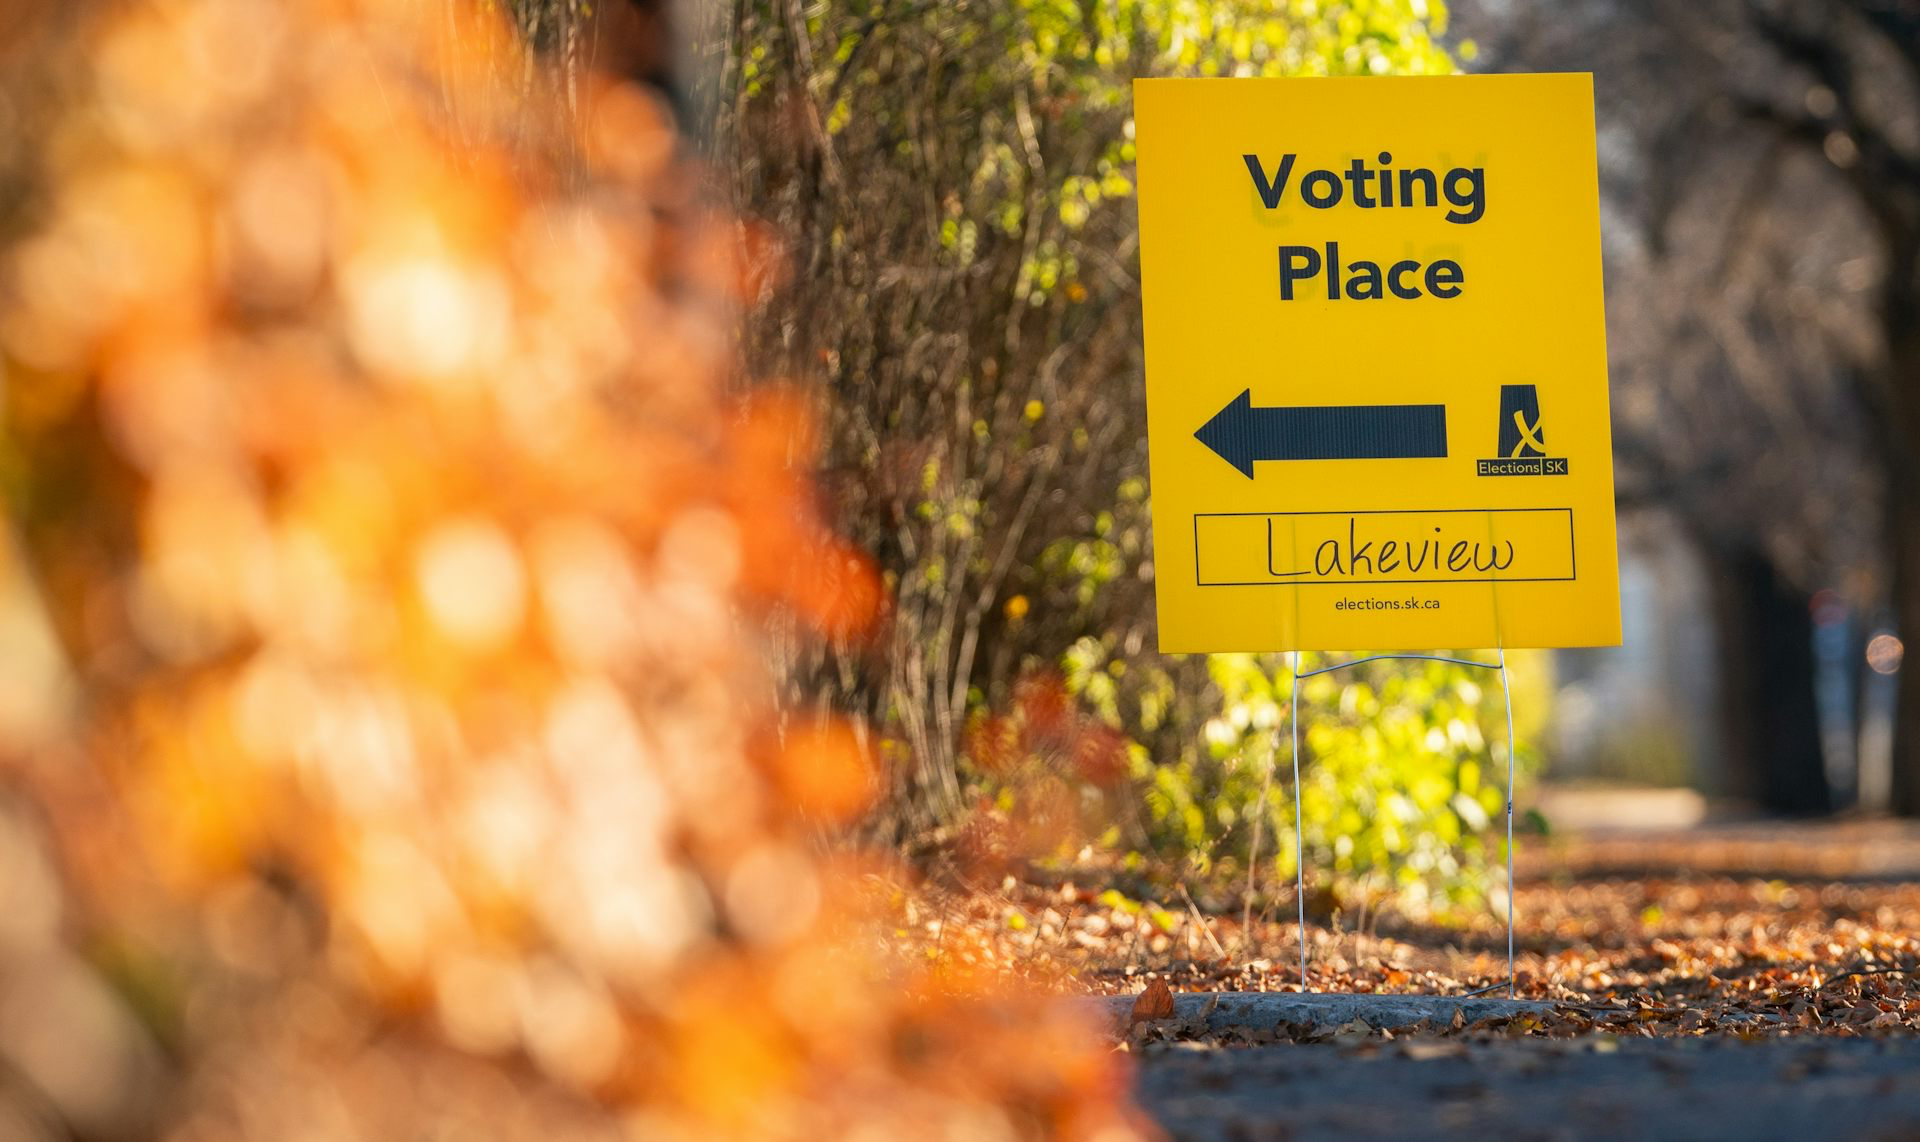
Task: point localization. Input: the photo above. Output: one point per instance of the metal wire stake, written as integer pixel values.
(1299, 835)
(1506, 688)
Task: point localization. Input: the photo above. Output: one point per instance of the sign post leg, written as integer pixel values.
(1506, 688)
(1299, 832)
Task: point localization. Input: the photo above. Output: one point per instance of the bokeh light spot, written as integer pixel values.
(1885, 653)
(471, 578)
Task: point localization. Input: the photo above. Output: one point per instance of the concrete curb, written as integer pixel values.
(1263, 1011)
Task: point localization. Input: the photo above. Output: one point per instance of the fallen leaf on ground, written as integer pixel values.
(1154, 1003)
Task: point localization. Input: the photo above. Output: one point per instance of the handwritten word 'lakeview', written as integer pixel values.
(1331, 557)
(1366, 187)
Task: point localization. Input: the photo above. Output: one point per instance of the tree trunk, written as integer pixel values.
(1770, 727)
(1903, 555)
(1898, 422)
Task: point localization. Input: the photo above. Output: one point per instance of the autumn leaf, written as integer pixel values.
(1154, 1003)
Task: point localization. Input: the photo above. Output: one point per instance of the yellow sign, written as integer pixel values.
(1376, 363)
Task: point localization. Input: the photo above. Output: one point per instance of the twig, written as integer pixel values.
(1194, 911)
(1857, 972)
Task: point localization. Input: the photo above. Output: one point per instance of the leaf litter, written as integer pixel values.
(1699, 951)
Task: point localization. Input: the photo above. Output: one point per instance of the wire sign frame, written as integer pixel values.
(1299, 838)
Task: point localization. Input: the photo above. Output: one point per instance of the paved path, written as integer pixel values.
(1801, 1090)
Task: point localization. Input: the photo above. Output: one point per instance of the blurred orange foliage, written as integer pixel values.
(380, 471)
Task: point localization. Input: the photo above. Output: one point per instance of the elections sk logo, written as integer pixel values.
(1522, 437)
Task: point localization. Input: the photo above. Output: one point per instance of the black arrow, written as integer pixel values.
(1242, 434)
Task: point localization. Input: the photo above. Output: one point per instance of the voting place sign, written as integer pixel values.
(1376, 363)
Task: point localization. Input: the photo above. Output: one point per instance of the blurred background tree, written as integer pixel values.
(1849, 93)
(1758, 169)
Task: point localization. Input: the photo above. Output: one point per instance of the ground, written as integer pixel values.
(1596, 1087)
(1731, 979)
